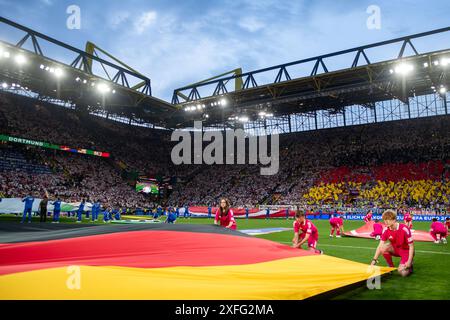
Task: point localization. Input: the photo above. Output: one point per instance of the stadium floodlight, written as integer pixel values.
(103, 88)
(84, 81)
(114, 91)
(436, 62)
(223, 102)
(203, 106)
(262, 114)
(77, 79)
(199, 107)
(4, 85)
(404, 68)
(6, 54)
(51, 70)
(425, 65)
(444, 62)
(58, 72)
(442, 90)
(269, 115)
(20, 59)
(47, 68)
(206, 115)
(391, 71)
(42, 67)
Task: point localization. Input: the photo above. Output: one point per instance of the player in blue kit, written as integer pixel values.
(28, 208)
(171, 216)
(80, 210)
(56, 210)
(105, 215)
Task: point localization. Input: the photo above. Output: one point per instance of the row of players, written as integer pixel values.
(108, 213)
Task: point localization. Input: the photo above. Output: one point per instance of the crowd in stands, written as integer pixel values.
(393, 163)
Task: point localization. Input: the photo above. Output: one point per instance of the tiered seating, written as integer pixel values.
(14, 160)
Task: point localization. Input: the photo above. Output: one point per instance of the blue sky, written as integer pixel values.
(179, 42)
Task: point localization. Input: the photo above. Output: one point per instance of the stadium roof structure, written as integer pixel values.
(363, 82)
(87, 81)
(298, 87)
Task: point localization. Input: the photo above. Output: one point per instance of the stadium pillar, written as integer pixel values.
(375, 111)
(315, 118)
(445, 103)
(409, 110)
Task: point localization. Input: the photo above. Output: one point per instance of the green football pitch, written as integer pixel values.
(430, 280)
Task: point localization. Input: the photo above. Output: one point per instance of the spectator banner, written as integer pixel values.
(47, 145)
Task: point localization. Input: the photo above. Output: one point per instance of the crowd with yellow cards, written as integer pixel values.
(406, 192)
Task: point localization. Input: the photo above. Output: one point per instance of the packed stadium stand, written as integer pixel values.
(391, 163)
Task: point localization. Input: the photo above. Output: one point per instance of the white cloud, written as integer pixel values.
(251, 24)
(186, 49)
(117, 18)
(144, 21)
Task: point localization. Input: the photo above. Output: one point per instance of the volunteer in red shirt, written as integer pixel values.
(224, 215)
(401, 244)
(336, 223)
(438, 229)
(368, 216)
(377, 230)
(407, 217)
(308, 233)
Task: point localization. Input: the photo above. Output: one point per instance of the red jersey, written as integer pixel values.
(407, 217)
(306, 227)
(438, 227)
(368, 217)
(225, 219)
(400, 238)
(334, 221)
(447, 223)
(378, 229)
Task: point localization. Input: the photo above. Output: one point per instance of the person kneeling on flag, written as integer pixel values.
(224, 215)
(401, 244)
(438, 231)
(309, 233)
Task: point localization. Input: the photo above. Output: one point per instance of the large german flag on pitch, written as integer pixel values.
(173, 262)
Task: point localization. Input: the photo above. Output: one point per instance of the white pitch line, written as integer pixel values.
(354, 247)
